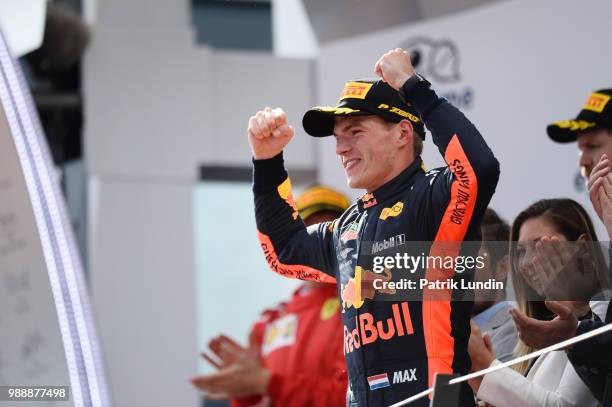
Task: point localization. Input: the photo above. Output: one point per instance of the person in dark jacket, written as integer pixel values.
(393, 347)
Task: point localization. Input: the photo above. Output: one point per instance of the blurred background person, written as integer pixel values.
(295, 353)
(491, 308)
(551, 380)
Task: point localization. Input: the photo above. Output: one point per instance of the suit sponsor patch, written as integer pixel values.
(392, 212)
(280, 333)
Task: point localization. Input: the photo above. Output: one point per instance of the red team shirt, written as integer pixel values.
(300, 342)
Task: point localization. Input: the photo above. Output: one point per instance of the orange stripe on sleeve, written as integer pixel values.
(437, 303)
(298, 271)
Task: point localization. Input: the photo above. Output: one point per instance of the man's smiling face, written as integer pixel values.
(367, 149)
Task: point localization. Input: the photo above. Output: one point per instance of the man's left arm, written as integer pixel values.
(473, 170)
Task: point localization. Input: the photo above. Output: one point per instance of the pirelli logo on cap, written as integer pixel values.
(355, 90)
(596, 102)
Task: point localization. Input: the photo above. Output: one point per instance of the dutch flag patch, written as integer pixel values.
(379, 381)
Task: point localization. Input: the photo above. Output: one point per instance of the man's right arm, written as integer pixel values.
(591, 358)
(595, 351)
(290, 248)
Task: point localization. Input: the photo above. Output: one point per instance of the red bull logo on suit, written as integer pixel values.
(368, 330)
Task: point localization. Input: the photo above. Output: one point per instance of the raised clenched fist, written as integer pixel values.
(268, 133)
(394, 67)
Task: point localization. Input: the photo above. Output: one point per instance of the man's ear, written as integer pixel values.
(406, 132)
(502, 268)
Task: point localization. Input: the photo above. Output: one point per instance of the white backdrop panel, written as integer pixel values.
(245, 82)
(142, 279)
(234, 282)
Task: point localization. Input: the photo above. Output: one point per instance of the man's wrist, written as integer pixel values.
(401, 81)
(263, 381)
(485, 363)
(264, 156)
(580, 311)
(417, 92)
(268, 173)
(411, 84)
(475, 384)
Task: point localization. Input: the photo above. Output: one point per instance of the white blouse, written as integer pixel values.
(551, 382)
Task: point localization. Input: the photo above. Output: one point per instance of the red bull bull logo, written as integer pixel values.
(368, 330)
(351, 292)
(361, 287)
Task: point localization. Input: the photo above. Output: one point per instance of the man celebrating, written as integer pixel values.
(392, 348)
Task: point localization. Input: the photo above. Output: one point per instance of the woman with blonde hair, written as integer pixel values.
(554, 257)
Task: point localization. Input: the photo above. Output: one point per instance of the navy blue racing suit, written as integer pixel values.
(392, 348)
